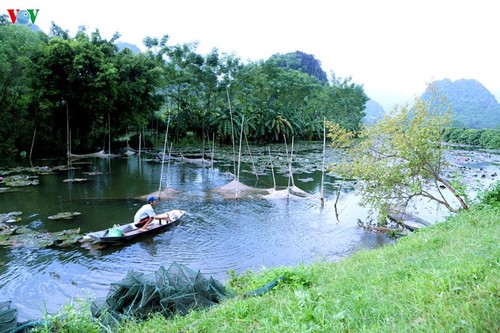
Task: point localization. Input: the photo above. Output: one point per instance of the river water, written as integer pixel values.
(217, 234)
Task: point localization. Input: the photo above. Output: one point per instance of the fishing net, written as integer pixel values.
(8, 317)
(287, 193)
(100, 154)
(167, 193)
(175, 290)
(235, 189)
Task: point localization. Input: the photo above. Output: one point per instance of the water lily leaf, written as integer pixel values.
(15, 213)
(65, 234)
(24, 230)
(75, 180)
(72, 240)
(64, 215)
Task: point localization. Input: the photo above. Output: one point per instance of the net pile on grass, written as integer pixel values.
(171, 291)
(8, 317)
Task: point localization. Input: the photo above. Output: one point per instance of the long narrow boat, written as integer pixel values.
(120, 234)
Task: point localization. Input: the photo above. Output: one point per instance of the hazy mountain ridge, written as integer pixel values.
(374, 112)
(131, 47)
(472, 105)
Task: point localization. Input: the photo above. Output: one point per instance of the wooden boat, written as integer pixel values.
(120, 234)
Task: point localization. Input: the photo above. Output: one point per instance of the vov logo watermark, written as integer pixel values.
(23, 16)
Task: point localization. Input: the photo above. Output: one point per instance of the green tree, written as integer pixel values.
(19, 50)
(78, 78)
(401, 158)
(138, 82)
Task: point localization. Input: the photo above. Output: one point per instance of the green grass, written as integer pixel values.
(444, 278)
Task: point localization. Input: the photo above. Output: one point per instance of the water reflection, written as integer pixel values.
(216, 234)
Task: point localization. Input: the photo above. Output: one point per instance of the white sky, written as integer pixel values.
(391, 47)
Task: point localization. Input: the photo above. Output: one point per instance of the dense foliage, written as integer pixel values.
(485, 138)
(60, 93)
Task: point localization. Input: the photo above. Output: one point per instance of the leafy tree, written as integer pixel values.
(138, 79)
(401, 158)
(490, 139)
(20, 48)
(78, 78)
(345, 103)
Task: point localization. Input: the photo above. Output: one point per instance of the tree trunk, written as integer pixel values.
(452, 190)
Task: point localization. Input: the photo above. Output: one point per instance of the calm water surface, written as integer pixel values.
(215, 235)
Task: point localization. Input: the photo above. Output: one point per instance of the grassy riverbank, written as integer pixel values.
(445, 278)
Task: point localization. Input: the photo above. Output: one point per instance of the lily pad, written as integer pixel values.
(65, 234)
(21, 180)
(25, 237)
(75, 180)
(64, 216)
(70, 241)
(93, 173)
(6, 229)
(10, 217)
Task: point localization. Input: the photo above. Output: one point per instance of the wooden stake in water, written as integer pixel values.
(239, 158)
(272, 168)
(323, 167)
(163, 157)
(232, 129)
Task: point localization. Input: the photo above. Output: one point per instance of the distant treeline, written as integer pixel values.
(58, 91)
(486, 138)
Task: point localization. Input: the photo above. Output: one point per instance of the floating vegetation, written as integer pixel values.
(75, 180)
(64, 216)
(21, 180)
(37, 170)
(6, 230)
(10, 217)
(26, 237)
(94, 173)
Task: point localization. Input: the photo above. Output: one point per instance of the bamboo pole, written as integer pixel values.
(109, 132)
(239, 157)
(168, 165)
(67, 130)
(272, 167)
(140, 144)
(323, 167)
(232, 129)
(289, 168)
(213, 150)
(163, 157)
(32, 143)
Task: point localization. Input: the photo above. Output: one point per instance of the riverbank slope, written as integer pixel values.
(443, 278)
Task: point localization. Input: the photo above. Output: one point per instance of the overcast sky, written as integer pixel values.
(391, 47)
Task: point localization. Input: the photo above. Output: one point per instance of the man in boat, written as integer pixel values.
(146, 214)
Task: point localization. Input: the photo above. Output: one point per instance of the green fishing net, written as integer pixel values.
(8, 317)
(168, 291)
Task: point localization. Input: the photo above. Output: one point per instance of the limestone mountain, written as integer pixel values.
(301, 61)
(131, 47)
(373, 112)
(472, 105)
